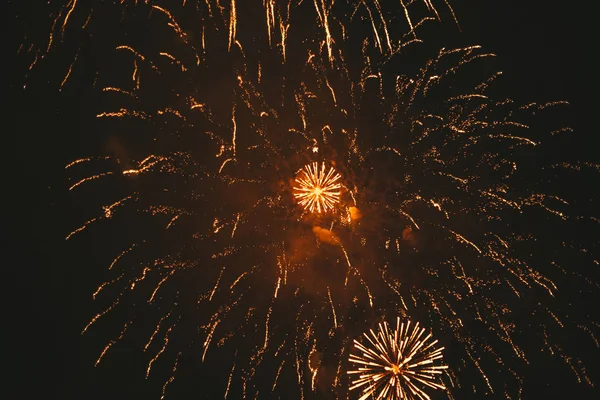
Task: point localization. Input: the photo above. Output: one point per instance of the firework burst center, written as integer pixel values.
(396, 369)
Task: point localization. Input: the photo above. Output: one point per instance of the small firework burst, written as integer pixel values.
(317, 189)
(397, 364)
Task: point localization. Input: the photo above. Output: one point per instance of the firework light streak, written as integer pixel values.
(395, 362)
(208, 124)
(318, 189)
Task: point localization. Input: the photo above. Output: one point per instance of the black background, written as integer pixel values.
(547, 52)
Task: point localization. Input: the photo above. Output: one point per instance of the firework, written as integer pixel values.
(207, 126)
(318, 189)
(394, 363)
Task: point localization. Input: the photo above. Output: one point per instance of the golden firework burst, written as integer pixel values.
(397, 364)
(317, 188)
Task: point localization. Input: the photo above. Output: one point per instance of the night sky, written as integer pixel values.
(545, 49)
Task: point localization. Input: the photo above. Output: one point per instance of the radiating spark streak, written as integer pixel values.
(172, 220)
(234, 133)
(84, 160)
(123, 112)
(384, 23)
(462, 239)
(170, 111)
(232, 24)
(277, 286)
(279, 348)
(453, 14)
(487, 381)
(283, 29)
(209, 338)
(158, 325)
(332, 308)
(277, 375)
(172, 22)
(409, 217)
(556, 318)
(68, 72)
(323, 14)
(394, 285)
(158, 286)
(66, 20)
(162, 350)
(511, 137)
(216, 284)
(140, 278)
(268, 317)
(144, 165)
(229, 381)
(138, 55)
(513, 288)
(518, 276)
(172, 377)
(270, 17)
(298, 371)
(237, 220)
(408, 19)
(589, 332)
(375, 30)
(338, 373)
(463, 277)
(90, 178)
(172, 58)
(116, 259)
(103, 285)
(110, 344)
(350, 267)
(97, 316)
(119, 90)
(331, 90)
(237, 280)
(108, 210)
(81, 228)
(224, 162)
(369, 295)
(540, 281)
(314, 369)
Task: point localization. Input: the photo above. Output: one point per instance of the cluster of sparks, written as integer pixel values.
(435, 179)
(318, 189)
(395, 363)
